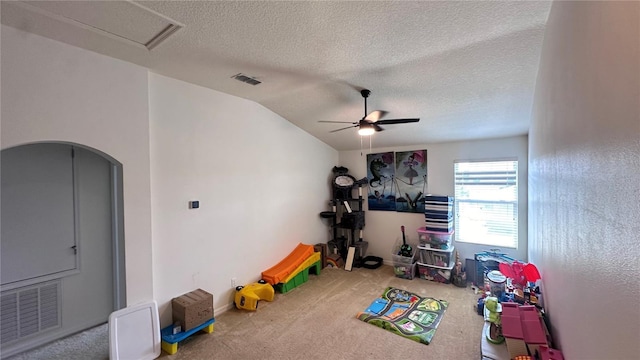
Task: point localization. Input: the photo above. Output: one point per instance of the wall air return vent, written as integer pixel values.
(29, 310)
(246, 79)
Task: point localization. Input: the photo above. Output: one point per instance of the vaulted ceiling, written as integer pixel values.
(466, 69)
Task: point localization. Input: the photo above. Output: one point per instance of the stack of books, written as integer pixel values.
(438, 213)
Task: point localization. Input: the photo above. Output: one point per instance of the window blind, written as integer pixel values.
(486, 198)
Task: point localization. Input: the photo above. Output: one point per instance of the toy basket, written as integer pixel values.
(404, 266)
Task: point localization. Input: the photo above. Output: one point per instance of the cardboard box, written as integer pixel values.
(322, 249)
(335, 260)
(192, 309)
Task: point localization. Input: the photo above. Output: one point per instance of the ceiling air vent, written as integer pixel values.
(246, 79)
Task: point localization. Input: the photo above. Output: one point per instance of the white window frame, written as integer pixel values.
(484, 188)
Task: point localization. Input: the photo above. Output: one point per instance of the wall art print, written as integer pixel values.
(397, 181)
(411, 180)
(381, 174)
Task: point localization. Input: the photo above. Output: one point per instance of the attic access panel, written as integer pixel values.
(124, 20)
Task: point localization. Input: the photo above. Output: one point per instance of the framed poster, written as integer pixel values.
(411, 180)
(381, 175)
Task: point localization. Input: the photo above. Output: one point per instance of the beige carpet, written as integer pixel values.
(90, 344)
(317, 320)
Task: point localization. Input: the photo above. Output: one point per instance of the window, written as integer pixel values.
(486, 202)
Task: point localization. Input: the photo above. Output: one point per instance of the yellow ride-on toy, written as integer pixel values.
(247, 297)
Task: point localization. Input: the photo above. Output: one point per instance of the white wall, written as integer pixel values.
(55, 92)
(261, 183)
(382, 229)
(585, 178)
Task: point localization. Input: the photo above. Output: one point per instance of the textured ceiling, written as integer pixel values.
(466, 69)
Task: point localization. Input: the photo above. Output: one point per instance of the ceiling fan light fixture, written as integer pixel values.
(371, 122)
(366, 130)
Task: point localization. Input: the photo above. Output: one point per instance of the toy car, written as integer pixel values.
(247, 297)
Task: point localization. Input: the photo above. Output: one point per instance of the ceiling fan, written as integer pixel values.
(371, 122)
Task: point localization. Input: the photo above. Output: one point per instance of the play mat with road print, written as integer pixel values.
(406, 314)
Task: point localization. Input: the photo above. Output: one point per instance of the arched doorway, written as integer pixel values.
(62, 243)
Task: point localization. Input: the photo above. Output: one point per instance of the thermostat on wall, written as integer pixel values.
(194, 204)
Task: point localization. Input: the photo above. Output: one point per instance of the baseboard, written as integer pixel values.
(222, 309)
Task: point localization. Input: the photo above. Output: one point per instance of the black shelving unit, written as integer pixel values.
(347, 217)
(352, 222)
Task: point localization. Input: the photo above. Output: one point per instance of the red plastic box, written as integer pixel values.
(547, 353)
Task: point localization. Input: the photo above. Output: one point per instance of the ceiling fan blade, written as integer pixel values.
(398, 121)
(344, 128)
(375, 115)
(337, 122)
(377, 127)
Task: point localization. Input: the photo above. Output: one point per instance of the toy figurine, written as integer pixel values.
(458, 275)
(493, 308)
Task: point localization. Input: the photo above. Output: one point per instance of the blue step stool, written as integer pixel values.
(170, 340)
